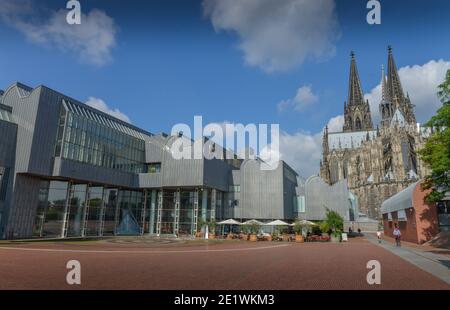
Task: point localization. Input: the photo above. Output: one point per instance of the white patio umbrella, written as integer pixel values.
(277, 223)
(251, 222)
(305, 223)
(229, 222)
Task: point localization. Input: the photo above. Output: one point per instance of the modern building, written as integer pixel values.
(376, 162)
(417, 220)
(69, 170)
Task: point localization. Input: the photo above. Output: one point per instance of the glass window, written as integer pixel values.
(154, 168)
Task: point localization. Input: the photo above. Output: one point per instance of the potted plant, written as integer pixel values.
(298, 229)
(246, 230)
(254, 229)
(212, 229)
(333, 224)
(200, 224)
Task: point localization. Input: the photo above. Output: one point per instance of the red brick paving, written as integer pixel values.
(294, 266)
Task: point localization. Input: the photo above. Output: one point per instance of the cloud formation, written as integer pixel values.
(101, 105)
(421, 82)
(92, 41)
(303, 99)
(278, 35)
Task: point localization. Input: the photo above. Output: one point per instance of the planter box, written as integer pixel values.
(335, 239)
(299, 239)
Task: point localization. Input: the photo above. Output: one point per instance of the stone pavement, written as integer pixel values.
(435, 264)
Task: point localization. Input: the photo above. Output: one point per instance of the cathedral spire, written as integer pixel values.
(357, 111)
(394, 85)
(355, 94)
(325, 146)
(386, 108)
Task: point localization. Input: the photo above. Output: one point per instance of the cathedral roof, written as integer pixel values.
(349, 140)
(398, 119)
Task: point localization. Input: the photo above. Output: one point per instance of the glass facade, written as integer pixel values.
(86, 137)
(67, 209)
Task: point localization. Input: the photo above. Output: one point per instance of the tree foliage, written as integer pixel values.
(333, 222)
(436, 152)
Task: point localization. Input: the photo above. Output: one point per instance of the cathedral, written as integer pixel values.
(380, 161)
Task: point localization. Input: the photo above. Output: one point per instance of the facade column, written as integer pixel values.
(213, 205)
(65, 223)
(204, 204)
(143, 212)
(159, 214)
(117, 213)
(176, 223)
(85, 212)
(101, 226)
(152, 213)
(195, 217)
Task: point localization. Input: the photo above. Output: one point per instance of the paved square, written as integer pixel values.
(220, 265)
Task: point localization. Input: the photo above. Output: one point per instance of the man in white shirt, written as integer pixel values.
(397, 235)
(379, 236)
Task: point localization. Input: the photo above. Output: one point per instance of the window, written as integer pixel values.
(390, 217)
(301, 204)
(401, 215)
(154, 168)
(234, 189)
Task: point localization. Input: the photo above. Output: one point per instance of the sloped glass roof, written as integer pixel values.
(5, 115)
(105, 120)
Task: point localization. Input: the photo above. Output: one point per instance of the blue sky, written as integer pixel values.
(171, 60)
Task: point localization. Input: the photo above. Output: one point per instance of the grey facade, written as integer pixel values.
(68, 170)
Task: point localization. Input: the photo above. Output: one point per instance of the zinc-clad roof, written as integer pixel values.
(400, 201)
(103, 119)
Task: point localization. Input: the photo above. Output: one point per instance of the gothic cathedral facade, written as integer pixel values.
(376, 162)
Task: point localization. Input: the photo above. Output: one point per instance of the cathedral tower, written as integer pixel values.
(356, 111)
(395, 92)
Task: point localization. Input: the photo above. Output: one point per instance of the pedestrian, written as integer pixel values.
(379, 236)
(397, 235)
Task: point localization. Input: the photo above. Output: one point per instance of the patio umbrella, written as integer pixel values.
(305, 223)
(277, 223)
(229, 222)
(251, 222)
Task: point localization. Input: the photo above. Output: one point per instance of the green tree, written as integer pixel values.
(333, 222)
(436, 152)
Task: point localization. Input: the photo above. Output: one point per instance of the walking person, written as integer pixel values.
(397, 235)
(379, 236)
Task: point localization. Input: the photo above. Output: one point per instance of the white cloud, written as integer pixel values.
(278, 35)
(303, 99)
(99, 104)
(421, 82)
(336, 123)
(92, 41)
(303, 150)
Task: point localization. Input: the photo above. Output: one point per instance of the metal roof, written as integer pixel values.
(400, 201)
